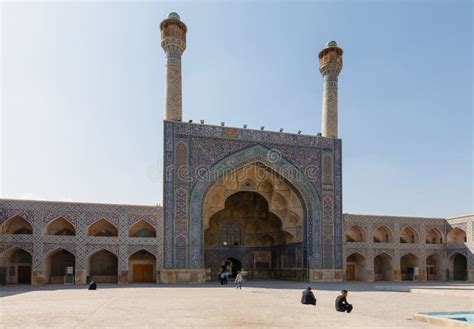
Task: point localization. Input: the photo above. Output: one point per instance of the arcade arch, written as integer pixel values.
(17, 225)
(102, 227)
(103, 266)
(59, 226)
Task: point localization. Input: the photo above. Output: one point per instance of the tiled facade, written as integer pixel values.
(39, 240)
(81, 216)
(423, 246)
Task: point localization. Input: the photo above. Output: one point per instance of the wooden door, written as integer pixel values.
(143, 273)
(350, 272)
(24, 274)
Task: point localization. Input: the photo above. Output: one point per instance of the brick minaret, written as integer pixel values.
(173, 42)
(330, 65)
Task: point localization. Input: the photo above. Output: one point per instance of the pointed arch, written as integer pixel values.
(103, 266)
(434, 270)
(408, 262)
(55, 263)
(408, 235)
(102, 227)
(59, 226)
(382, 234)
(142, 267)
(18, 261)
(434, 236)
(142, 229)
(456, 235)
(356, 267)
(256, 154)
(17, 225)
(383, 267)
(355, 233)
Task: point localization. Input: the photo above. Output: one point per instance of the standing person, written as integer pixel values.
(341, 303)
(222, 277)
(226, 277)
(308, 297)
(238, 280)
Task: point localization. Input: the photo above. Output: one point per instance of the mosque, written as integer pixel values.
(266, 203)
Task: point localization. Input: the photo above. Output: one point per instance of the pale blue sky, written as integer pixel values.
(82, 94)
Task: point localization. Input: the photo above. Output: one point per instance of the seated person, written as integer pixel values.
(341, 303)
(308, 297)
(92, 286)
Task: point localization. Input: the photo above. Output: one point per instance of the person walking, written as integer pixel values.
(238, 280)
(341, 303)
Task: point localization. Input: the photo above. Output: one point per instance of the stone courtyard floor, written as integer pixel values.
(260, 304)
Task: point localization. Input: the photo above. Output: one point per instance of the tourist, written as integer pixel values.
(222, 277)
(308, 297)
(341, 303)
(238, 280)
(226, 277)
(92, 285)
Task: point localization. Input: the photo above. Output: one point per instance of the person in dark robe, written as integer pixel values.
(92, 286)
(308, 297)
(341, 303)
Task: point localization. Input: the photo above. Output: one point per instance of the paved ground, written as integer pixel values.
(257, 305)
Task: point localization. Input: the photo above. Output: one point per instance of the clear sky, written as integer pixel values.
(83, 83)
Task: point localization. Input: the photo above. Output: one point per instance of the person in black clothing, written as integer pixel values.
(308, 297)
(92, 286)
(341, 303)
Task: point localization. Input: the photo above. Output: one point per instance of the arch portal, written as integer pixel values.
(56, 263)
(356, 268)
(383, 268)
(103, 266)
(409, 267)
(142, 267)
(16, 266)
(458, 267)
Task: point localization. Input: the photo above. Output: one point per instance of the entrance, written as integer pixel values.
(252, 218)
(460, 267)
(232, 265)
(143, 273)
(350, 272)
(24, 274)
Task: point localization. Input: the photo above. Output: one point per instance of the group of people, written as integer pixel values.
(342, 305)
(223, 277)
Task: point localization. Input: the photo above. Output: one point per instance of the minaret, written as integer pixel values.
(330, 65)
(173, 42)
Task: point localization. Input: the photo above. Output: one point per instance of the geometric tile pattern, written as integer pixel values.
(212, 150)
(81, 215)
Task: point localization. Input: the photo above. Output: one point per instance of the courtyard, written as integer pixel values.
(260, 304)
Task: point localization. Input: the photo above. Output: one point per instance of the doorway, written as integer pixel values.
(143, 273)
(24, 274)
(232, 265)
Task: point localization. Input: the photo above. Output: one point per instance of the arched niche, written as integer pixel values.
(102, 227)
(408, 235)
(456, 235)
(434, 236)
(142, 229)
(355, 234)
(382, 234)
(59, 226)
(17, 225)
